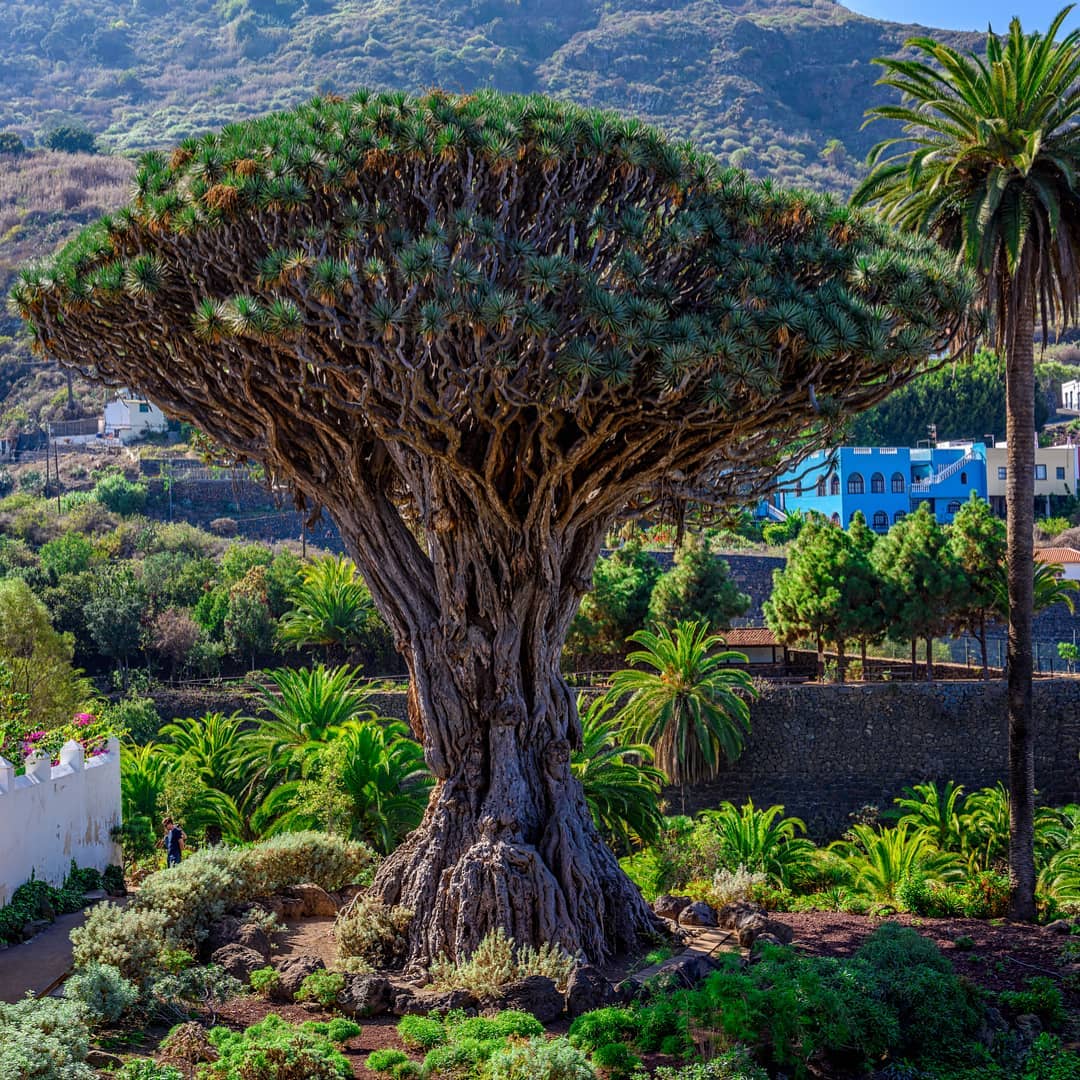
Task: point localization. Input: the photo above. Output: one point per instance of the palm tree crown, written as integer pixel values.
(988, 161)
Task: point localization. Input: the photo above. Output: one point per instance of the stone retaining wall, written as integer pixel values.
(826, 751)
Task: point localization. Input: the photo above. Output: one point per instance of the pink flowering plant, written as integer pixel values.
(20, 737)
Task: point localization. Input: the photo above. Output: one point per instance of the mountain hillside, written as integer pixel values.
(777, 87)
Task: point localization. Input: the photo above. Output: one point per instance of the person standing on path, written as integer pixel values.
(172, 842)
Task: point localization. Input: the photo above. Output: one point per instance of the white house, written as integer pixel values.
(131, 418)
(1070, 396)
(1067, 558)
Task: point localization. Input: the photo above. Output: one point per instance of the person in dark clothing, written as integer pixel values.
(172, 842)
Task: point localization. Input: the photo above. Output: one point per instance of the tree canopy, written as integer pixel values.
(476, 329)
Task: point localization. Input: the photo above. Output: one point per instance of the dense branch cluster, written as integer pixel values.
(517, 287)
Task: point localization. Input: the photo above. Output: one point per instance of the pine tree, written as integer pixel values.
(977, 540)
(925, 583)
(870, 614)
(698, 588)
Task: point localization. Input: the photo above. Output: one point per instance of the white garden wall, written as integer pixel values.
(55, 813)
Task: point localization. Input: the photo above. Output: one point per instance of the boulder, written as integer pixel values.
(668, 907)
(780, 930)
(761, 940)
(295, 970)
(316, 901)
(366, 995)
(730, 915)
(534, 994)
(221, 933)
(409, 1001)
(749, 921)
(1029, 1026)
(588, 990)
(685, 971)
(253, 937)
(1059, 926)
(238, 960)
(697, 913)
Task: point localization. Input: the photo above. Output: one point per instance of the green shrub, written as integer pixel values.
(934, 1008)
(1042, 997)
(128, 939)
(369, 930)
(601, 1027)
(103, 992)
(617, 1060)
(274, 1050)
(460, 1058)
(45, 1039)
(496, 961)
(264, 981)
(323, 987)
(733, 1064)
(120, 495)
(338, 1030)
(176, 994)
(1049, 1060)
(421, 1032)
(506, 1024)
(147, 1069)
(540, 1059)
(383, 1061)
(407, 1070)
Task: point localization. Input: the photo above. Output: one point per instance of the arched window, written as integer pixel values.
(835, 519)
(834, 484)
(855, 484)
(821, 488)
(953, 508)
(877, 484)
(881, 520)
(898, 484)
(898, 516)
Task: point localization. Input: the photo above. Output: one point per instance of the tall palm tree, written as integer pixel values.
(692, 708)
(1048, 587)
(987, 163)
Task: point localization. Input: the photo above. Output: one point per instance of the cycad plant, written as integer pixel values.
(621, 787)
(692, 708)
(933, 809)
(881, 858)
(307, 707)
(760, 841)
(332, 608)
(987, 163)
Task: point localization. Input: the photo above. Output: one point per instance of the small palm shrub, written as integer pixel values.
(540, 1059)
(103, 992)
(496, 961)
(760, 841)
(881, 858)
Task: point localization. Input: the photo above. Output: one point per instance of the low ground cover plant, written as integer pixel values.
(497, 961)
(275, 1050)
(45, 1039)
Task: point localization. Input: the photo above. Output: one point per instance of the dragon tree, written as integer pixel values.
(475, 330)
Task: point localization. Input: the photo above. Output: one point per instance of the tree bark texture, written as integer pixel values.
(507, 840)
(1019, 503)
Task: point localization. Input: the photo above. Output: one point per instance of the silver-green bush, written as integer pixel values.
(103, 992)
(539, 1059)
(44, 1039)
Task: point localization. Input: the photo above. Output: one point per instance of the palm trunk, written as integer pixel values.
(841, 660)
(820, 659)
(1020, 510)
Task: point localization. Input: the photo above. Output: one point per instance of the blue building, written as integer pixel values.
(885, 482)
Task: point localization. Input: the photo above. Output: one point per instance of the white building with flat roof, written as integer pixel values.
(130, 418)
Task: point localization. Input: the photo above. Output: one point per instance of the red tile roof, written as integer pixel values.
(1057, 555)
(748, 635)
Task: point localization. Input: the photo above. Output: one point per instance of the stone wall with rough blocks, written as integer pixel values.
(55, 813)
(826, 751)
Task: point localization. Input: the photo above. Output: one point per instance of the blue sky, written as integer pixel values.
(964, 14)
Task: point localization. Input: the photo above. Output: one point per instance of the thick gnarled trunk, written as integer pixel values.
(507, 840)
(1019, 502)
